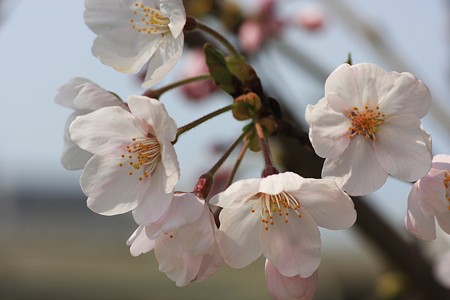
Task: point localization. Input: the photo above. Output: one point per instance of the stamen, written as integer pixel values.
(149, 20)
(365, 123)
(275, 205)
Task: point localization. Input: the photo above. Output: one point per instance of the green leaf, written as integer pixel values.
(218, 69)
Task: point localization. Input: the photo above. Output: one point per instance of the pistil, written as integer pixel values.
(365, 122)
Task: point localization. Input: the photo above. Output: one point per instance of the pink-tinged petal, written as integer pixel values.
(153, 113)
(198, 238)
(210, 265)
(179, 265)
(289, 288)
(171, 166)
(443, 220)
(236, 194)
(139, 242)
(184, 209)
(67, 92)
(105, 131)
(433, 199)
(125, 50)
(174, 10)
(155, 201)
(441, 162)
(417, 223)
(293, 247)
(164, 59)
(356, 170)
(110, 189)
(282, 182)
(407, 96)
(73, 157)
(237, 237)
(329, 206)
(401, 149)
(92, 97)
(328, 130)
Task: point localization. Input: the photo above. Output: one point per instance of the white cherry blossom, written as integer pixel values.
(134, 166)
(83, 96)
(429, 200)
(183, 240)
(278, 216)
(289, 288)
(368, 126)
(132, 33)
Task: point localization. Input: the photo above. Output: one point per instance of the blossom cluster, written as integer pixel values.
(367, 127)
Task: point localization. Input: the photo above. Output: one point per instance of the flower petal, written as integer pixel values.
(171, 166)
(407, 96)
(237, 193)
(356, 170)
(67, 92)
(174, 10)
(433, 193)
(92, 97)
(237, 237)
(282, 182)
(110, 189)
(164, 59)
(289, 288)
(139, 242)
(444, 221)
(73, 157)
(105, 131)
(293, 247)
(417, 223)
(329, 206)
(401, 149)
(328, 129)
(155, 201)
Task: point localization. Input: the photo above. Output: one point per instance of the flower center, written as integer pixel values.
(447, 186)
(143, 154)
(276, 205)
(148, 20)
(365, 123)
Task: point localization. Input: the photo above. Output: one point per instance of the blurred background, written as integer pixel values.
(53, 247)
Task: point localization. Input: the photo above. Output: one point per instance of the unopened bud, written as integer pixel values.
(248, 105)
(269, 124)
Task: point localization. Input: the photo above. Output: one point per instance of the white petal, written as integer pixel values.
(441, 162)
(153, 113)
(73, 157)
(155, 201)
(139, 242)
(111, 190)
(356, 170)
(67, 92)
(210, 265)
(433, 198)
(289, 288)
(184, 209)
(420, 225)
(401, 149)
(164, 59)
(329, 206)
(174, 10)
(342, 83)
(237, 237)
(283, 182)
(105, 131)
(237, 193)
(171, 166)
(407, 96)
(293, 247)
(92, 97)
(328, 129)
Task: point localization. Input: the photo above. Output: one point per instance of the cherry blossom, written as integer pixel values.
(278, 216)
(368, 126)
(289, 288)
(134, 166)
(83, 96)
(429, 200)
(183, 240)
(131, 33)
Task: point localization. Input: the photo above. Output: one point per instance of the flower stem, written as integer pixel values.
(224, 157)
(237, 164)
(218, 36)
(269, 169)
(157, 93)
(201, 120)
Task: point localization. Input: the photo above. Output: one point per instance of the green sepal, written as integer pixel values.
(218, 69)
